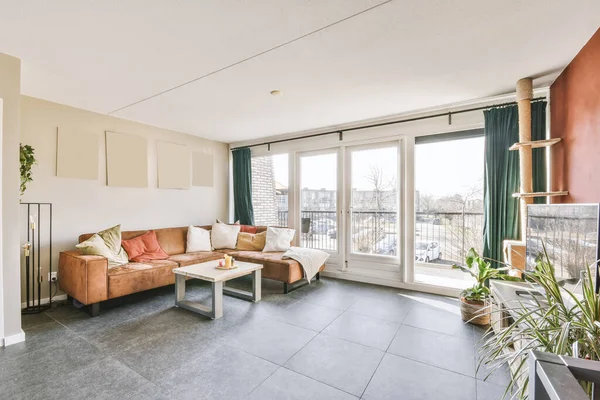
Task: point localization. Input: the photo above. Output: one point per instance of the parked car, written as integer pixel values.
(322, 227)
(427, 251)
(388, 245)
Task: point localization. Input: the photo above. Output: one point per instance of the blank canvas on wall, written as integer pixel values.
(76, 154)
(202, 169)
(126, 160)
(173, 166)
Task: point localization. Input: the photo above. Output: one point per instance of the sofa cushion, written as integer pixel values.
(274, 267)
(248, 229)
(224, 236)
(252, 242)
(259, 256)
(186, 259)
(198, 239)
(136, 277)
(112, 238)
(97, 246)
(172, 240)
(144, 248)
(278, 239)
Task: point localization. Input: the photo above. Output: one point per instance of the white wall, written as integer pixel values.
(10, 92)
(82, 206)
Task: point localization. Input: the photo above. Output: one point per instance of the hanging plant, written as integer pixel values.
(27, 161)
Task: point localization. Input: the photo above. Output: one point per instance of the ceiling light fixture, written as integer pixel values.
(276, 92)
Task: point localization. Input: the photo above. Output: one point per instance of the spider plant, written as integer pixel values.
(559, 321)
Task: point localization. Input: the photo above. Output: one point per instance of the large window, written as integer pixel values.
(448, 205)
(270, 190)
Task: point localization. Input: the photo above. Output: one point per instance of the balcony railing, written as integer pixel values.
(449, 235)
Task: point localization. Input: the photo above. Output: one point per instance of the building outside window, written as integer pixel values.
(270, 189)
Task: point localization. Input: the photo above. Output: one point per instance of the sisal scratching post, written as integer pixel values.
(524, 96)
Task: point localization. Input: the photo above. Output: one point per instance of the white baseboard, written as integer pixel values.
(46, 300)
(14, 339)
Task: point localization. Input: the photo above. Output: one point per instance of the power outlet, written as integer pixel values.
(52, 276)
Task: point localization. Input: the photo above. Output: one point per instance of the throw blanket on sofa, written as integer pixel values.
(310, 259)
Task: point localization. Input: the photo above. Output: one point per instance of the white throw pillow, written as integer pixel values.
(224, 236)
(278, 239)
(221, 222)
(198, 239)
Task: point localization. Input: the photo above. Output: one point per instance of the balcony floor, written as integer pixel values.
(442, 276)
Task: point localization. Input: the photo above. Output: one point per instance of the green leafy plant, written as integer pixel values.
(27, 162)
(557, 321)
(480, 269)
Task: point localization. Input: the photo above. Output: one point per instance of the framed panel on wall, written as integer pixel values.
(77, 154)
(126, 160)
(173, 165)
(203, 169)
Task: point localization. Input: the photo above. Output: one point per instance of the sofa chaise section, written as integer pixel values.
(275, 267)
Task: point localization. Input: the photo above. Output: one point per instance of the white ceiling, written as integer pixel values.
(336, 61)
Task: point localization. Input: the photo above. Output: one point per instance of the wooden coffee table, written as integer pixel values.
(206, 271)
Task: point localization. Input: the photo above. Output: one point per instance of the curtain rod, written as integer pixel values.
(356, 128)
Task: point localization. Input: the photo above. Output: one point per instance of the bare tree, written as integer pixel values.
(373, 227)
(426, 203)
(382, 190)
(464, 200)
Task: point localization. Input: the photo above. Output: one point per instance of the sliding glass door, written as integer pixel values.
(448, 206)
(372, 204)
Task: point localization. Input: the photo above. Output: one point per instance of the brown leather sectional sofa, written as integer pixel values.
(89, 280)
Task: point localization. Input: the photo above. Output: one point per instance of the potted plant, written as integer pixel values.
(474, 301)
(28, 160)
(559, 321)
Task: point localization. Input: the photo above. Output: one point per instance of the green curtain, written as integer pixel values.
(501, 171)
(242, 186)
(501, 180)
(538, 132)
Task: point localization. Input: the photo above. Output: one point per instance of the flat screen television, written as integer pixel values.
(570, 234)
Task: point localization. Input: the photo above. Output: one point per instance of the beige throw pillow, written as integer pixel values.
(96, 246)
(224, 236)
(198, 239)
(251, 242)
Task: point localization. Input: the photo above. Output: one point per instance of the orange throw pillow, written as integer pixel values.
(144, 248)
(248, 229)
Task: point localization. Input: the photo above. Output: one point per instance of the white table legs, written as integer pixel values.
(254, 295)
(215, 310)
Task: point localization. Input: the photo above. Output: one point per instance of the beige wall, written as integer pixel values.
(82, 206)
(10, 92)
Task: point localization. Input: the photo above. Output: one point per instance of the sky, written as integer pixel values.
(446, 168)
(441, 169)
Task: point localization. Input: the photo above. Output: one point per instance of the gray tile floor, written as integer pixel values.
(330, 340)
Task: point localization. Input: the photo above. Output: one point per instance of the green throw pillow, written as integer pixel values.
(112, 238)
(106, 244)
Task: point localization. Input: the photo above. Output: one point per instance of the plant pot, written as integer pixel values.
(475, 312)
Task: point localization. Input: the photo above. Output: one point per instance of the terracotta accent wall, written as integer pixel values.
(575, 117)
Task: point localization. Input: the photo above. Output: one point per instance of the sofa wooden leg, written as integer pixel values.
(318, 276)
(286, 288)
(94, 309)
